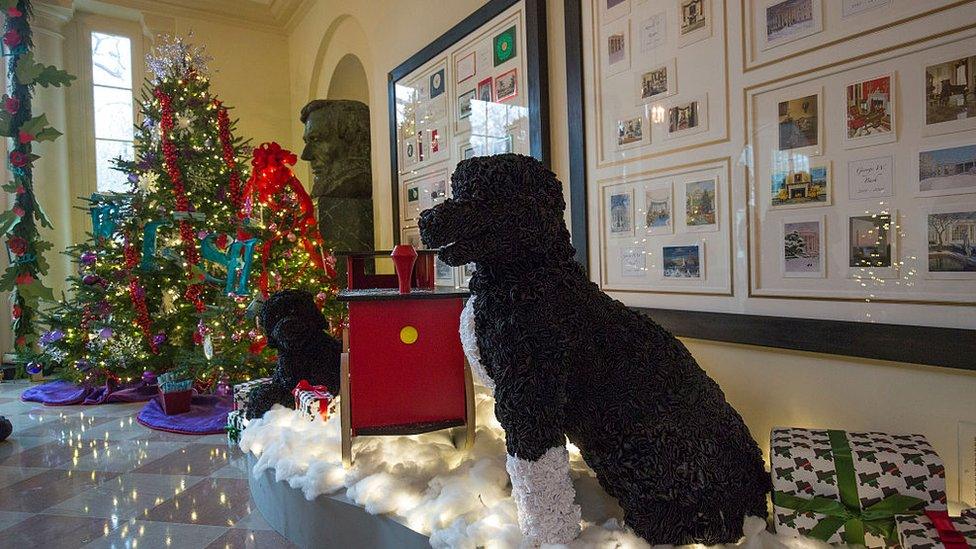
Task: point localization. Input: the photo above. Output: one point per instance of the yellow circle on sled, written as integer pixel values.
(408, 335)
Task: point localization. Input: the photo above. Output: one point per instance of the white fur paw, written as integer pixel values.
(545, 497)
(469, 342)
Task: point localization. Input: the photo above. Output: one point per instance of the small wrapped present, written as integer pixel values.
(842, 487)
(934, 529)
(236, 422)
(313, 400)
(241, 391)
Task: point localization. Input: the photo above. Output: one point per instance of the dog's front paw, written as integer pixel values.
(545, 497)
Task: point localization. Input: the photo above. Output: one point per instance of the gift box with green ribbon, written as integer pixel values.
(937, 529)
(847, 487)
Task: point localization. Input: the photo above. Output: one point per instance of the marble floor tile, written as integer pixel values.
(237, 538)
(50, 455)
(129, 496)
(192, 459)
(17, 444)
(10, 475)
(9, 518)
(37, 493)
(50, 531)
(213, 501)
(253, 521)
(122, 456)
(142, 534)
(63, 428)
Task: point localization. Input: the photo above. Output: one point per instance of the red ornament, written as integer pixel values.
(11, 38)
(17, 245)
(11, 105)
(19, 159)
(221, 241)
(16, 312)
(24, 279)
(20, 341)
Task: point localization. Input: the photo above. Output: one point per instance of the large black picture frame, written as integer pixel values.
(946, 347)
(537, 78)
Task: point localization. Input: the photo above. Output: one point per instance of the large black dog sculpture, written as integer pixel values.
(296, 329)
(565, 360)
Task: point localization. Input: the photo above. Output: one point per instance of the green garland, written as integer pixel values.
(24, 245)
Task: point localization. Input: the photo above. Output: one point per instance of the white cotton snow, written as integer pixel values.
(461, 499)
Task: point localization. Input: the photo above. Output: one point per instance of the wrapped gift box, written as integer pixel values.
(838, 486)
(935, 529)
(236, 422)
(241, 390)
(313, 401)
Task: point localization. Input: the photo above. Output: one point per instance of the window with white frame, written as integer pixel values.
(111, 57)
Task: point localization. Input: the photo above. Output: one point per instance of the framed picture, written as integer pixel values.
(633, 262)
(506, 85)
(658, 208)
(466, 67)
(787, 20)
(620, 213)
(870, 112)
(685, 262)
(804, 247)
(486, 91)
(701, 206)
(872, 245)
(800, 125)
(850, 8)
(632, 132)
(502, 35)
(946, 170)
(870, 178)
(687, 117)
(616, 47)
(411, 203)
(611, 10)
(656, 83)
(694, 21)
(950, 95)
(951, 231)
(802, 186)
(652, 32)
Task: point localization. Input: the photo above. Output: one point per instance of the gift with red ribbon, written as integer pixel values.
(313, 401)
(936, 528)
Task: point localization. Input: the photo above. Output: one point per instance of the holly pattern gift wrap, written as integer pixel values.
(313, 401)
(935, 530)
(837, 486)
(236, 422)
(241, 390)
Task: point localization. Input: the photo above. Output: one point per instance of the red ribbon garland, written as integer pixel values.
(223, 130)
(948, 535)
(138, 295)
(190, 252)
(270, 177)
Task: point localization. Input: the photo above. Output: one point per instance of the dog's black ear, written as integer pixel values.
(290, 333)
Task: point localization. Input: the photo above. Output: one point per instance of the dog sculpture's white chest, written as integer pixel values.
(469, 342)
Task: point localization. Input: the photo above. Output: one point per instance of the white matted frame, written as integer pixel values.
(785, 21)
(802, 264)
(950, 231)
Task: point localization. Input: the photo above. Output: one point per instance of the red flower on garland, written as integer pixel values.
(11, 105)
(24, 279)
(19, 159)
(25, 137)
(21, 341)
(20, 189)
(19, 211)
(11, 38)
(16, 312)
(12, 11)
(17, 245)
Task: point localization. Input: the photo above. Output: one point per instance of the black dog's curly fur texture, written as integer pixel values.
(566, 359)
(296, 329)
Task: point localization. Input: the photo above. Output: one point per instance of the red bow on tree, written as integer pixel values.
(271, 155)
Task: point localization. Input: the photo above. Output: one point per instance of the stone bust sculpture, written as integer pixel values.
(337, 146)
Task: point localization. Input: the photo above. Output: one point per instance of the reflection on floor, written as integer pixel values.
(91, 476)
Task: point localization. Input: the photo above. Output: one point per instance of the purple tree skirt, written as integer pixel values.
(207, 416)
(65, 393)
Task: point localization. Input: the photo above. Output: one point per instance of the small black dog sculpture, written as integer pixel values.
(566, 360)
(295, 327)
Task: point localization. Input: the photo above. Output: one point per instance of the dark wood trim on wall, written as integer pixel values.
(947, 347)
(573, 15)
(537, 78)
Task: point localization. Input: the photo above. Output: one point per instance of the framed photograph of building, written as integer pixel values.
(950, 95)
(804, 247)
(506, 85)
(620, 213)
(800, 187)
(686, 117)
(685, 262)
(946, 170)
(951, 231)
(694, 21)
(632, 131)
(800, 125)
(656, 83)
(787, 20)
(701, 206)
(658, 208)
(870, 112)
(873, 245)
(616, 47)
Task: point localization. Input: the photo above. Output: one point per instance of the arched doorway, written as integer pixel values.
(349, 80)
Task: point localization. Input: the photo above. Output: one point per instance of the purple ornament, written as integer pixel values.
(53, 336)
(159, 338)
(90, 279)
(202, 234)
(133, 178)
(149, 377)
(34, 368)
(139, 293)
(88, 258)
(223, 386)
(82, 365)
(105, 333)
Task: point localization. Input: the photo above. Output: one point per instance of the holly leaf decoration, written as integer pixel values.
(35, 290)
(5, 123)
(7, 4)
(36, 129)
(7, 220)
(42, 217)
(7, 280)
(10, 186)
(30, 71)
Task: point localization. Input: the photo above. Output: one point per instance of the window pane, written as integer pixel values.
(110, 179)
(111, 60)
(113, 113)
